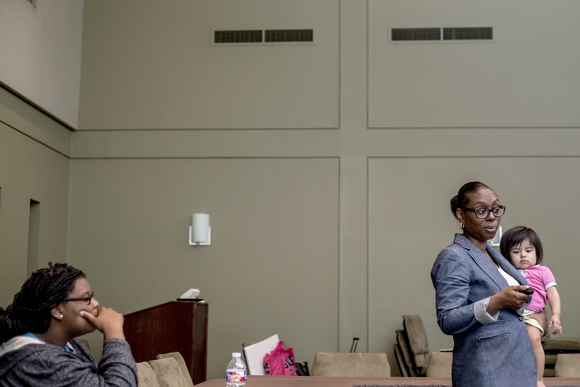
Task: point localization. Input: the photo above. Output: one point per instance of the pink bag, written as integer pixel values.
(280, 361)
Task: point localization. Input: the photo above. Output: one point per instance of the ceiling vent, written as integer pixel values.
(247, 36)
(440, 34)
(406, 34)
(470, 33)
(263, 36)
(289, 35)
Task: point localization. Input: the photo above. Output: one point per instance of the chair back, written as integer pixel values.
(417, 337)
(439, 365)
(568, 365)
(180, 362)
(351, 364)
(146, 376)
(168, 373)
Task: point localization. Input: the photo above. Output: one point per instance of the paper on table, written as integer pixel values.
(191, 293)
(255, 354)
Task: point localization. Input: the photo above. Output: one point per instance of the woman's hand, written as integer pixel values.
(107, 321)
(508, 298)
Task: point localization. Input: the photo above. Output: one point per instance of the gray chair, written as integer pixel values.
(146, 376)
(168, 373)
(181, 363)
(439, 365)
(351, 364)
(556, 346)
(412, 348)
(568, 365)
(401, 358)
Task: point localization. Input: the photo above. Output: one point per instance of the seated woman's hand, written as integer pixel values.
(108, 321)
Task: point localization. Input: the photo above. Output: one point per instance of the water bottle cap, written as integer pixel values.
(236, 354)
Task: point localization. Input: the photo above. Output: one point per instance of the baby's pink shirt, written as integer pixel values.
(540, 278)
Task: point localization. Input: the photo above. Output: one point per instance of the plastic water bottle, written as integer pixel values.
(236, 371)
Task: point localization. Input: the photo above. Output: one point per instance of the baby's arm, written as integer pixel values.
(554, 299)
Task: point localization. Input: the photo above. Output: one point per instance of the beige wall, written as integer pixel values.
(191, 83)
(34, 165)
(40, 54)
(272, 266)
(515, 80)
(406, 231)
(336, 177)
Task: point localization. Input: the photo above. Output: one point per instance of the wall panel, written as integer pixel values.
(272, 266)
(523, 78)
(29, 171)
(133, 79)
(40, 54)
(410, 223)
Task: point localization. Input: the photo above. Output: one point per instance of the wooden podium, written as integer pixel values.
(177, 326)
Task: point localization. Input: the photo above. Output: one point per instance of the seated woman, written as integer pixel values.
(39, 330)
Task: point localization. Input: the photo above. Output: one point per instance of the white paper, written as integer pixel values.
(255, 354)
(191, 293)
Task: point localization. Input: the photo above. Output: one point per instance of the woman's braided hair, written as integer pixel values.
(30, 309)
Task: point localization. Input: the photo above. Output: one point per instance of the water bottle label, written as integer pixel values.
(235, 376)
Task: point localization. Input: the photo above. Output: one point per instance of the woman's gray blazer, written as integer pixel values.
(493, 355)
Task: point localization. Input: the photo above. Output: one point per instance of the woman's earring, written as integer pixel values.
(61, 316)
(462, 225)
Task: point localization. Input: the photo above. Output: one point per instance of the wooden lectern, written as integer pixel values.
(177, 326)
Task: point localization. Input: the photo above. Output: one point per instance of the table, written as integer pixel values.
(329, 381)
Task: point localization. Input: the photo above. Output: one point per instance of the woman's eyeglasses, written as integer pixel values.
(482, 212)
(87, 299)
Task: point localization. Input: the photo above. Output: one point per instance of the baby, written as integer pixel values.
(523, 248)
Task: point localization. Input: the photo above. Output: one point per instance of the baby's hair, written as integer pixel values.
(516, 236)
(31, 307)
(461, 200)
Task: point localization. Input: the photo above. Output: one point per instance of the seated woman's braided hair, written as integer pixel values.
(30, 309)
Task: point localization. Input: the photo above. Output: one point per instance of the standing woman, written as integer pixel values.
(480, 299)
(38, 344)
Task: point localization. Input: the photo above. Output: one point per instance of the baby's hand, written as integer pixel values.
(555, 322)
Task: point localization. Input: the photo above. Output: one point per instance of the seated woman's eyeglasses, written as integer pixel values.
(87, 299)
(482, 212)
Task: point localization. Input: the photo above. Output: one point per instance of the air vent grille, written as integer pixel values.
(263, 36)
(448, 33)
(485, 33)
(289, 35)
(405, 34)
(248, 36)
